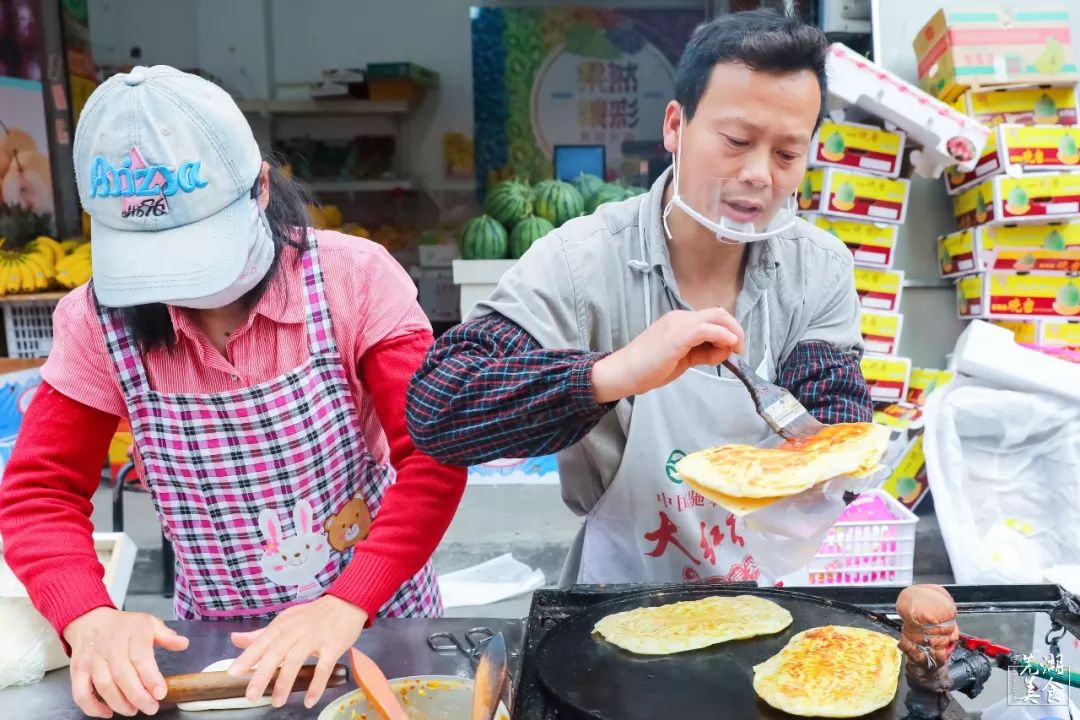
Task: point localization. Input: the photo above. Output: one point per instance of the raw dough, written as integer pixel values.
(240, 703)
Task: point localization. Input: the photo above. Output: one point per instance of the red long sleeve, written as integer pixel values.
(45, 504)
(419, 506)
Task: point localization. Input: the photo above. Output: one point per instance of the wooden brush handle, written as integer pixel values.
(194, 687)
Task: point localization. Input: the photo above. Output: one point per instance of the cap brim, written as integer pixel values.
(192, 261)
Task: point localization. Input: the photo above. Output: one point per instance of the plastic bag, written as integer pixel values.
(1004, 469)
(30, 647)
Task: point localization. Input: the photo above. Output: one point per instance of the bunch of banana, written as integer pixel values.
(31, 269)
(74, 269)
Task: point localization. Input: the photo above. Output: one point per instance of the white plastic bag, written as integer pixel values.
(1004, 469)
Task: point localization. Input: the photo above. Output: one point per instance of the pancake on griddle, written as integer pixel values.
(831, 671)
(691, 625)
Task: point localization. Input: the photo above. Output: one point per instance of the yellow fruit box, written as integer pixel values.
(809, 197)
(1021, 105)
(864, 197)
(958, 254)
(872, 244)
(879, 289)
(923, 382)
(1024, 331)
(861, 147)
(1059, 334)
(969, 48)
(1008, 296)
(887, 377)
(1039, 147)
(899, 416)
(988, 164)
(881, 331)
(908, 482)
(1051, 247)
(1038, 198)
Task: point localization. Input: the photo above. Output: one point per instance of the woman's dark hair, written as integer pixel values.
(759, 39)
(151, 326)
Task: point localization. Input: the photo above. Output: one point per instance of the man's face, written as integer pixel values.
(751, 129)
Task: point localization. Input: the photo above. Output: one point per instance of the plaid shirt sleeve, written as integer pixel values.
(488, 390)
(828, 381)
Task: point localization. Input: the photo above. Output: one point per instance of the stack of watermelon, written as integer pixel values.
(516, 214)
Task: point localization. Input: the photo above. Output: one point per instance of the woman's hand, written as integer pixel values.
(112, 655)
(325, 628)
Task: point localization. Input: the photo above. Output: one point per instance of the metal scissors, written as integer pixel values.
(475, 639)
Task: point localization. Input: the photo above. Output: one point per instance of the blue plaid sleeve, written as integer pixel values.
(488, 390)
(828, 382)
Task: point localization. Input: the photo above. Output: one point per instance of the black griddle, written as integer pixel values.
(542, 698)
(592, 678)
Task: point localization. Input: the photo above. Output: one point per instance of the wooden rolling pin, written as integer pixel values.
(221, 685)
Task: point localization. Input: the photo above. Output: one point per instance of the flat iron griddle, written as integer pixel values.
(591, 678)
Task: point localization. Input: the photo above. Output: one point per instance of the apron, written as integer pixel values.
(650, 527)
(265, 490)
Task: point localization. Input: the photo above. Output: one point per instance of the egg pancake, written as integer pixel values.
(831, 671)
(746, 471)
(694, 624)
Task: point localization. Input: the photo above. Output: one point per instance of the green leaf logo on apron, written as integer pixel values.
(669, 466)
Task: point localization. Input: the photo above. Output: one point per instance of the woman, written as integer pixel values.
(263, 369)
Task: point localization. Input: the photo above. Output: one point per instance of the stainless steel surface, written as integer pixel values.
(399, 646)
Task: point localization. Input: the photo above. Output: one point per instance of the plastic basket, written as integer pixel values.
(863, 552)
(28, 327)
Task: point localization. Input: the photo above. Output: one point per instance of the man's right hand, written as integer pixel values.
(112, 655)
(676, 342)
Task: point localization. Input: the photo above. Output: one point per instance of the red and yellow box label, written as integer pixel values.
(1033, 295)
(879, 289)
(1019, 260)
(908, 482)
(1061, 335)
(975, 205)
(897, 415)
(969, 296)
(809, 197)
(872, 244)
(1024, 331)
(923, 382)
(957, 254)
(865, 197)
(1048, 236)
(862, 147)
(1039, 148)
(887, 377)
(881, 331)
(1024, 106)
(1037, 197)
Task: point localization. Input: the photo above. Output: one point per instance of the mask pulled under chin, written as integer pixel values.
(726, 229)
(260, 257)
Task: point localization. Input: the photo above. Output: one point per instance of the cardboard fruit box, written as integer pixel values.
(1017, 149)
(925, 381)
(1044, 105)
(959, 49)
(859, 147)
(1037, 198)
(1060, 334)
(1025, 331)
(881, 331)
(861, 196)
(886, 376)
(879, 289)
(809, 195)
(1009, 296)
(873, 245)
(1052, 247)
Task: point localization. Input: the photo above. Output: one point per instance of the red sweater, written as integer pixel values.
(56, 467)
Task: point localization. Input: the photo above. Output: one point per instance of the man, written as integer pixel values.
(602, 342)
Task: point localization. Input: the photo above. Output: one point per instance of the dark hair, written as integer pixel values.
(760, 40)
(151, 326)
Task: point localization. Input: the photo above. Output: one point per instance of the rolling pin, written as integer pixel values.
(221, 685)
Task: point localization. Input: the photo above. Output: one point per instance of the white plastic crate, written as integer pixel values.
(863, 552)
(28, 327)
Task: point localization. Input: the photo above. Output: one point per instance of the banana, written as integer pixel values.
(12, 277)
(38, 269)
(26, 272)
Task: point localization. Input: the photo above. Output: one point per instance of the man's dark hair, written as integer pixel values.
(760, 40)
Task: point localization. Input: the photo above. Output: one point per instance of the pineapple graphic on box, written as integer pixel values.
(844, 198)
(1017, 202)
(833, 147)
(806, 194)
(1046, 111)
(1067, 301)
(1067, 151)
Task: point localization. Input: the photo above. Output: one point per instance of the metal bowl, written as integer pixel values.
(424, 697)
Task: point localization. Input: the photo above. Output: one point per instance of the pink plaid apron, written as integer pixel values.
(263, 490)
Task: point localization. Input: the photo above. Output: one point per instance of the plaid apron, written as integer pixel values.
(264, 490)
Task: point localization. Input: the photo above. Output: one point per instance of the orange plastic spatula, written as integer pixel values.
(376, 687)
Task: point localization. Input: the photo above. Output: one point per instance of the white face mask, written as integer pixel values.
(260, 257)
(733, 223)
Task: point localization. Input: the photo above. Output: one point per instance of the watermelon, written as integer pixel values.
(635, 190)
(608, 193)
(558, 201)
(587, 184)
(509, 201)
(526, 232)
(484, 238)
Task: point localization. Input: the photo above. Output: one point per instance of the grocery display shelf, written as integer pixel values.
(30, 297)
